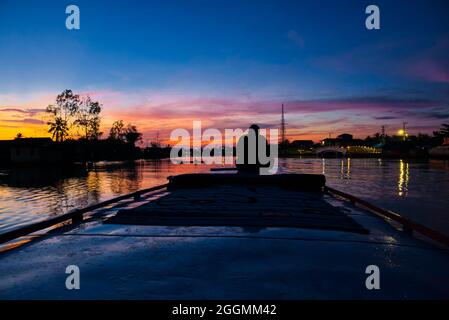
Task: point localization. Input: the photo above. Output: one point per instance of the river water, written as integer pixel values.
(418, 190)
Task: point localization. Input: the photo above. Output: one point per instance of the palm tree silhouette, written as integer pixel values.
(58, 128)
(444, 131)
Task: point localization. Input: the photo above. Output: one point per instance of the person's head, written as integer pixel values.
(255, 127)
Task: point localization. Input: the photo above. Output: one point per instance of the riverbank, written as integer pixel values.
(45, 152)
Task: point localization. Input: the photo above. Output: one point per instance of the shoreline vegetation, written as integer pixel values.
(74, 124)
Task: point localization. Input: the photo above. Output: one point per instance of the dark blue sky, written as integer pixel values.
(172, 60)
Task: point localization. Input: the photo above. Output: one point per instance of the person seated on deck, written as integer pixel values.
(248, 160)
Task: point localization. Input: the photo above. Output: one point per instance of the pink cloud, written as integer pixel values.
(432, 64)
(26, 121)
(429, 70)
(211, 107)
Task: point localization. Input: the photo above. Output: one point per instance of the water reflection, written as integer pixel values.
(403, 178)
(418, 190)
(27, 177)
(125, 180)
(342, 170)
(31, 194)
(345, 169)
(348, 171)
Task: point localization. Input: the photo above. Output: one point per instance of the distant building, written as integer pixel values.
(34, 150)
(297, 147)
(302, 144)
(343, 140)
(330, 142)
(345, 137)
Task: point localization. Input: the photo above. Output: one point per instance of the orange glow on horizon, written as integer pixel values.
(164, 113)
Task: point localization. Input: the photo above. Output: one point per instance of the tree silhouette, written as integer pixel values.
(88, 119)
(62, 114)
(132, 135)
(443, 132)
(58, 129)
(117, 131)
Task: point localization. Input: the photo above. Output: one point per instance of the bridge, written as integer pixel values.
(350, 150)
(331, 150)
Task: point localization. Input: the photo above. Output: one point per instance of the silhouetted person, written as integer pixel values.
(248, 151)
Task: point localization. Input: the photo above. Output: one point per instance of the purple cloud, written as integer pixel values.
(27, 121)
(31, 112)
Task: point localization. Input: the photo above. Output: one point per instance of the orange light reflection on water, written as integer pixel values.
(403, 179)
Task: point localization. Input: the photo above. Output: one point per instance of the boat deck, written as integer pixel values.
(240, 206)
(148, 250)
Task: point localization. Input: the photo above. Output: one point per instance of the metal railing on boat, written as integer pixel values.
(407, 225)
(76, 215)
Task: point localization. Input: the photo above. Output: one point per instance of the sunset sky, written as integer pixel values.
(160, 65)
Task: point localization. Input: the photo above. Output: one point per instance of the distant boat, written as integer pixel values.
(227, 236)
